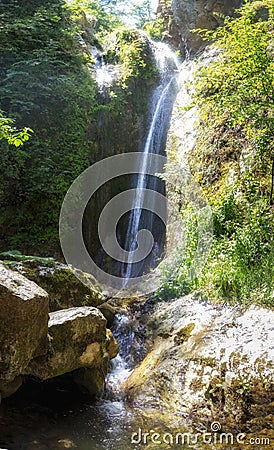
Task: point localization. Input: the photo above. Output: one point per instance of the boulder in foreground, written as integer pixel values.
(24, 309)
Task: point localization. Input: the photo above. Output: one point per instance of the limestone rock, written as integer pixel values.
(192, 14)
(210, 362)
(23, 326)
(77, 336)
(112, 346)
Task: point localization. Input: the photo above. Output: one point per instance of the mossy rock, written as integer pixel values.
(58, 280)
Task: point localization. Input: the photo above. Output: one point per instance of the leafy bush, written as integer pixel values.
(131, 50)
(47, 83)
(11, 134)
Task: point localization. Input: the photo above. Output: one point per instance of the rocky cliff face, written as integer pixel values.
(187, 15)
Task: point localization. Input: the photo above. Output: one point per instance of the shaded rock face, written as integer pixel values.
(209, 362)
(24, 308)
(192, 14)
(171, 35)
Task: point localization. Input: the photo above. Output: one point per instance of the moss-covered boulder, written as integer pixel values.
(64, 288)
(34, 342)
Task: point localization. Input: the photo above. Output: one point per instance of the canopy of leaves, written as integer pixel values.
(237, 88)
(47, 83)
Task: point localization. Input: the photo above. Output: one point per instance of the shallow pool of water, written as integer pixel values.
(55, 418)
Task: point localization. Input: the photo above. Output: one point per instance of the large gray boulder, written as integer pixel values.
(78, 340)
(24, 309)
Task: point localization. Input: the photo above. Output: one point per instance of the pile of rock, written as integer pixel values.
(37, 342)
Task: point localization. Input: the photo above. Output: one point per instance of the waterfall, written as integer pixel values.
(125, 328)
(105, 74)
(161, 109)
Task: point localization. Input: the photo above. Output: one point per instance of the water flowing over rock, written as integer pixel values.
(161, 109)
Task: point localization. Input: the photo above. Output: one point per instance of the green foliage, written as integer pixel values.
(131, 50)
(236, 90)
(16, 255)
(233, 160)
(141, 12)
(240, 267)
(47, 82)
(155, 28)
(238, 86)
(235, 93)
(11, 134)
(96, 13)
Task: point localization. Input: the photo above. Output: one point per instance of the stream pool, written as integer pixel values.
(48, 417)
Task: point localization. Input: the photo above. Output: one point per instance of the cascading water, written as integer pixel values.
(105, 74)
(161, 109)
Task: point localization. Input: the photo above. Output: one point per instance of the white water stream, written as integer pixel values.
(161, 109)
